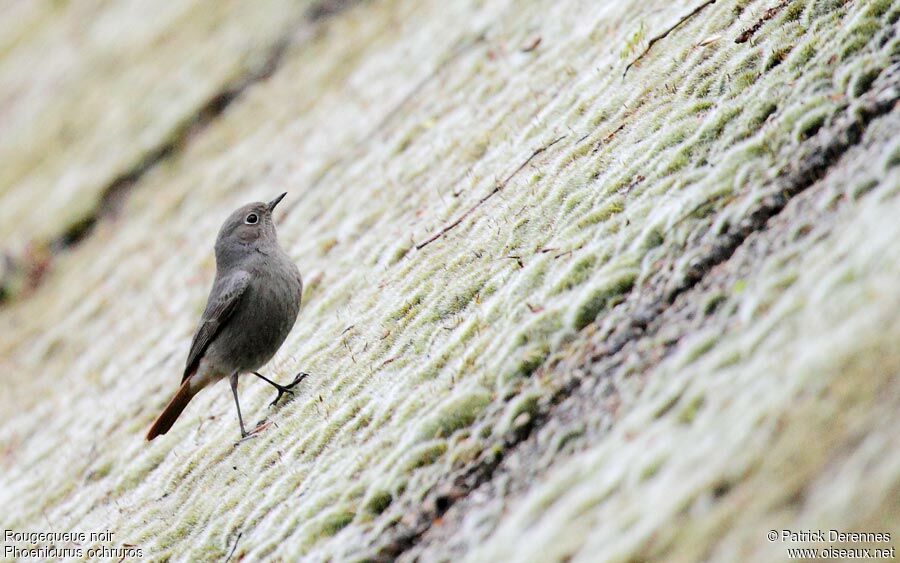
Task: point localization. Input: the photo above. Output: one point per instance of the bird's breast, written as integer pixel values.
(264, 318)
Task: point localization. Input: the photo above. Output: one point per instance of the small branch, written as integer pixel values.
(236, 540)
(490, 194)
(531, 46)
(767, 15)
(665, 33)
(389, 361)
(608, 138)
(518, 260)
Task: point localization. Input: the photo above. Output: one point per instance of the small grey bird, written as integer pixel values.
(251, 308)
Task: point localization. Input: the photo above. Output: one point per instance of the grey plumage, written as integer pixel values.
(252, 306)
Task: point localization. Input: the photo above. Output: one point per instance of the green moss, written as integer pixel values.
(760, 114)
(667, 405)
(822, 8)
(363, 420)
(893, 157)
(683, 157)
(689, 413)
(209, 552)
(701, 348)
(893, 17)
(541, 329)
(578, 274)
(676, 136)
(532, 358)
(406, 141)
(334, 425)
(477, 149)
(408, 309)
(810, 124)
(793, 11)
(777, 56)
(740, 6)
(716, 124)
(567, 437)
(466, 451)
(713, 302)
(377, 502)
(100, 472)
(471, 330)
(528, 403)
(609, 210)
(859, 35)
(139, 473)
(399, 253)
(705, 88)
(862, 82)
(423, 455)
(634, 41)
(572, 203)
(599, 119)
(577, 153)
(333, 522)
(455, 303)
(651, 239)
(802, 56)
(458, 412)
(354, 491)
(744, 80)
(652, 469)
(603, 297)
(327, 245)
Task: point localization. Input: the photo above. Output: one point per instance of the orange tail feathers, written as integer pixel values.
(172, 411)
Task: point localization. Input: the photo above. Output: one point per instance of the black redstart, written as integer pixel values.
(251, 308)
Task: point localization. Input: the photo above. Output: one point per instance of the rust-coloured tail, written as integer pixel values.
(173, 409)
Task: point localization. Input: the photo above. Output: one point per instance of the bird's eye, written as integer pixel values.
(252, 219)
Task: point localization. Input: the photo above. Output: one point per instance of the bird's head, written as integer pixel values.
(248, 229)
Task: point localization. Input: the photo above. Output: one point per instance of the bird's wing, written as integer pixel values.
(223, 299)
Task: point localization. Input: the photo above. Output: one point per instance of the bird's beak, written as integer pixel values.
(275, 201)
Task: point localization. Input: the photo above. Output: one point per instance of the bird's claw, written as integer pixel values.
(244, 437)
(300, 377)
(260, 426)
(282, 389)
(278, 396)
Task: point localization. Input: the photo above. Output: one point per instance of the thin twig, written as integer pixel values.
(532, 46)
(389, 361)
(518, 260)
(492, 193)
(766, 16)
(236, 540)
(608, 138)
(665, 33)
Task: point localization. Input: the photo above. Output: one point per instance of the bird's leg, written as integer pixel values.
(282, 389)
(234, 386)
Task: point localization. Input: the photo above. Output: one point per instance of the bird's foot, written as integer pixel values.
(289, 388)
(260, 427)
(246, 436)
